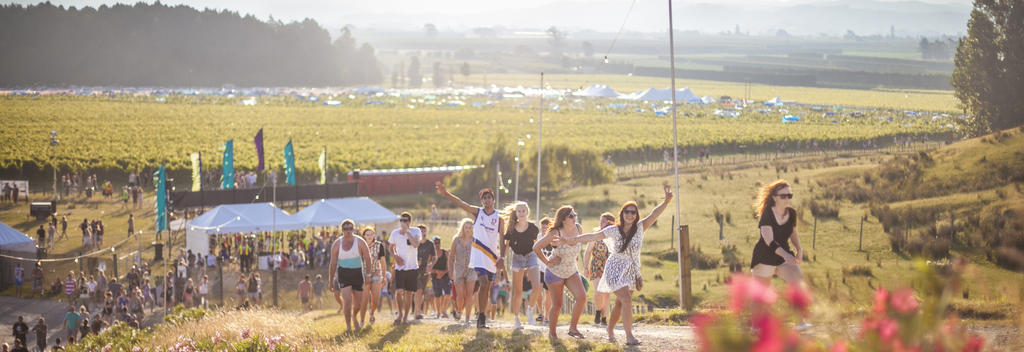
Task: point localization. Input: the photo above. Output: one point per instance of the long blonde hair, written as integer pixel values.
(764, 196)
(458, 230)
(511, 218)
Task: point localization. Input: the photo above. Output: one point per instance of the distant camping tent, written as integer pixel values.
(774, 102)
(790, 118)
(651, 94)
(598, 91)
(707, 99)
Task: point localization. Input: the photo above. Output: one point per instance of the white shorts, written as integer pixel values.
(764, 270)
(768, 271)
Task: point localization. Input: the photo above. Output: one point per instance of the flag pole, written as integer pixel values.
(540, 131)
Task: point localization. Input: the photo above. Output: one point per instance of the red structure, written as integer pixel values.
(401, 181)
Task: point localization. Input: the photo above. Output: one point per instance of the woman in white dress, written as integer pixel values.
(622, 270)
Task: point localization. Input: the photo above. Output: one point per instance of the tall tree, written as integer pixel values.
(415, 77)
(989, 69)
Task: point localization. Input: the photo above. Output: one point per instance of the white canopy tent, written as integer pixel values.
(597, 90)
(363, 210)
(236, 218)
(320, 213)
(12, 240)
(653, 94)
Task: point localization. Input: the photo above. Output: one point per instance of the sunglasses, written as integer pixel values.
(405, 220)
(346, 229)
(629, 211)
(572, 215)
(785, 195)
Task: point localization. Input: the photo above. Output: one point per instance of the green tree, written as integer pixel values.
(990, 67)
(415, 77)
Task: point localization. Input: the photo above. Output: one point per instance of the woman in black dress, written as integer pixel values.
(773, 254)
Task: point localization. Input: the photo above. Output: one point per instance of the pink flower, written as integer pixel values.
(974, 344)
(903, 301)
(881, 297)
(768, 330)
(839, 346)
(887, 329)
(246, 333)
(798, 297)
(745, 289)
(702, 322)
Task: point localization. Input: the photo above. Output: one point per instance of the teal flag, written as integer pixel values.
(289, 163)
(161, 199)
(227, 177)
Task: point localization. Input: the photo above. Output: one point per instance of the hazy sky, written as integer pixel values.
(598, 15)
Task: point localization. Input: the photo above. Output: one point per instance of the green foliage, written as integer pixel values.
(183, 315)
(990, 67)
(174, 46)
(119, 337)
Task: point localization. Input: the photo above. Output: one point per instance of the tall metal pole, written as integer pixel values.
(684, 268)
(519, 149)
(540, 131)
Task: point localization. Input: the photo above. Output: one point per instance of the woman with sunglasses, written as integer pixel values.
(375, 271)
(349, 255)
(561, 269)
(622, 269)
(777, 224)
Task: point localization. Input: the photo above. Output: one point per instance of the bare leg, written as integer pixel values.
(624, 299)
(482, 295)
(533, 274)
(358, 305)
(346, 294)
(575, 285)
(517, 291)
(555, 298)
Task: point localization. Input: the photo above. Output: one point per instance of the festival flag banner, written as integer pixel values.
(161, 199)
(259, 150)
(322, 163)
(227, 177)
(289, 164)
(197, 171)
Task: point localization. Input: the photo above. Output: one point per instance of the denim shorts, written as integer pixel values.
(521, 262)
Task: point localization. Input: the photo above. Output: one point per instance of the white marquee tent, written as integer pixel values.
(597, 90)
(652, 94)
(236, 218)
(12, 240)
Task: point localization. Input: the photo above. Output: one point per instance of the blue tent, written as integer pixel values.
(790, 118)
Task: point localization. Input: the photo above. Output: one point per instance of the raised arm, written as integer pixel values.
(653, 216)
(455, 200)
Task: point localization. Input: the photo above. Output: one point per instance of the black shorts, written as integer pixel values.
(406, 280)
(349, 278)
(442, 286)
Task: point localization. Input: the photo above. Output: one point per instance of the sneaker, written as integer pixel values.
(517, 325)
(604, 320)
(540, 318)
(529, 314)
(481, 321)
(597, 317)
(455, 315)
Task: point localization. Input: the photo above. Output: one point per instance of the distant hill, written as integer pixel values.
(159, 45)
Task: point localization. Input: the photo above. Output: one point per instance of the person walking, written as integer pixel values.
(520, 235)
(622, 273)
(463, 276)
(487, 227)
(19, 278)
(594, 258)
(403, 244)
(371, 296)
(426, 254)
(40, 330)
(773, 254)
(439, 280)
(349, 255)
(562, 271)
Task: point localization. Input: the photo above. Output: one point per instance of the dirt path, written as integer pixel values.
(653, 337)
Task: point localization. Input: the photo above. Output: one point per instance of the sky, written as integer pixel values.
(459, 15)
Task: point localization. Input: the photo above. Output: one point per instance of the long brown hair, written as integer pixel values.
(764, 196)
(627, 236)
(560, 217)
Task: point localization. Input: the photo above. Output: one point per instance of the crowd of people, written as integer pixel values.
(415, 276)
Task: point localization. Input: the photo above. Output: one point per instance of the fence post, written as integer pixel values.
(685, 295)
(115, 264)
(860, 241)
(274, 275)
(220, 279)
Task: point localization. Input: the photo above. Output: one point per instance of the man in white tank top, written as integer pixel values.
(488, 249)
